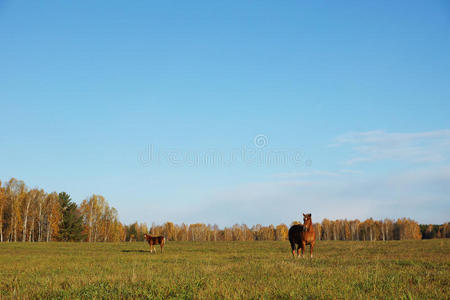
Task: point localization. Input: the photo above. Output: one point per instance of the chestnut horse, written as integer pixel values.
(302, 235)
(155, 240)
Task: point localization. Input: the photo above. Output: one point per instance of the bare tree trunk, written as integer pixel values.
(40, 223)
(12, 222)
(90, 222)
(30, 237)
(24, 232)
(1, 224)
(15, 230)
(49, 227)
(106, 232)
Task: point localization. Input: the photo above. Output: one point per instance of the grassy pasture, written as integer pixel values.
(226, 270)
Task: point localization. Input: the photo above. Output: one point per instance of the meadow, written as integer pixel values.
(226, 270)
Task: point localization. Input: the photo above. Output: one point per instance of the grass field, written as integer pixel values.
(229, 270)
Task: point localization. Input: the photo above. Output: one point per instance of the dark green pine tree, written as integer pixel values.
(71, 226)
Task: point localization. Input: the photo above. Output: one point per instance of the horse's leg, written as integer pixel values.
(303, 248)
(293, 249)
(311, 247)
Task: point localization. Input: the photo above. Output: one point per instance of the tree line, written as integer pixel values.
(433, 231)
(33, 215)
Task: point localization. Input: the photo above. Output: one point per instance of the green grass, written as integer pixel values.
(226, 270)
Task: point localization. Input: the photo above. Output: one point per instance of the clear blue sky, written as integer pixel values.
(357, 91)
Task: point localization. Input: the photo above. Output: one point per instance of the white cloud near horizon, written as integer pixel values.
(420, 192)
(418, 147)
(316, 173)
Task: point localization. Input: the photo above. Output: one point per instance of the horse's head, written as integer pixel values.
(307, 223)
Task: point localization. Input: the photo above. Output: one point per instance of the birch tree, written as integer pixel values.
(53, 215)
(15, 190)
(2, 205)
(31, 197)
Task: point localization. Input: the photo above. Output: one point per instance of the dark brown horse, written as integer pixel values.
(155, 240)
(302, 235)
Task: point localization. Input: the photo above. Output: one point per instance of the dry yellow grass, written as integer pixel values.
(226, 270)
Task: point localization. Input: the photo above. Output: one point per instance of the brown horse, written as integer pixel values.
(155, 240)
(302, 235)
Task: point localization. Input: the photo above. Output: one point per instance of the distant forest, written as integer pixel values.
(33, 215)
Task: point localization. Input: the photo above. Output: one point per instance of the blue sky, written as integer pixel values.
(103, 97)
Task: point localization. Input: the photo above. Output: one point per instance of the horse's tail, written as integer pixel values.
(292, 245)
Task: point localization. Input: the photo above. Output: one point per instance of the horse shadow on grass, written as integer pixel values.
(135, 251)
